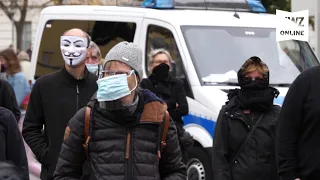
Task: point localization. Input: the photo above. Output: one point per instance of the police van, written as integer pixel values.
(209, 41)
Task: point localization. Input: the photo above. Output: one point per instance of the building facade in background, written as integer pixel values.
(7, 30)
(8, 33)
(314, 13)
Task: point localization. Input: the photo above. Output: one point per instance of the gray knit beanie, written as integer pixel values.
(127, 53)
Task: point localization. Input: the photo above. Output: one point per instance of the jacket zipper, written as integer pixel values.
(128, 153)
(78, 97)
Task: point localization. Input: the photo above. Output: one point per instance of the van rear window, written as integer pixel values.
(105, 34)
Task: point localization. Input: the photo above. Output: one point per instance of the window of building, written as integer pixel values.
(26, 36)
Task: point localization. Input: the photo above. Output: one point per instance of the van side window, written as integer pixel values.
(160, 37)
(105, 34)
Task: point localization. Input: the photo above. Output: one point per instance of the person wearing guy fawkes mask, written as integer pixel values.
(171, 90)
(55, 98)
(244, 136)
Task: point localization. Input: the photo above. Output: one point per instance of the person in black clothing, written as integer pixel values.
(171, 90)
(244, 137)
(29, 51)
(7, 96)
(55, 98)
(298, 129)
(12, 146)
(8, 99)
(124, 139)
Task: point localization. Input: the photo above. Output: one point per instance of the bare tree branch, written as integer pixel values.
(57, 2)
(5, 9)
(46, 3)
(23, 10)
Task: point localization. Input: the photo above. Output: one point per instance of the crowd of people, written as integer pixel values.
(98, 118)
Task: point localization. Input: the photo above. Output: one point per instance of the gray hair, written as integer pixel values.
(154, 52)
(93, 45)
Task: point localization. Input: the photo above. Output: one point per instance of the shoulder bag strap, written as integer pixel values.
(86, 129)
(165, 128)
(247, 139)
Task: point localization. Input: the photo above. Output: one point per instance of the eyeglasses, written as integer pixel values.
(106, 73)
(94, 59)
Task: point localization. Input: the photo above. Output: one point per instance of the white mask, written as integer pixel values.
(73, 49)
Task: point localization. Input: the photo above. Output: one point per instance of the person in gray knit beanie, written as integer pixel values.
(128, 134)
(127, 53)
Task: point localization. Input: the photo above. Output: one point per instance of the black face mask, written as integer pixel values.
(161, 71)
(256, 84)
(256, 94)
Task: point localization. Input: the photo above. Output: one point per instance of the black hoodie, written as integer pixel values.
(12, 147)
(54, 99)
(298, 129)
(8, 99)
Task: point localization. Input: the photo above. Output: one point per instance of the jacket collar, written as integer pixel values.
(153, 107)
(73, 80)
(149, 105)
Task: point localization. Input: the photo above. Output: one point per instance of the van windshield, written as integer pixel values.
(219, 52)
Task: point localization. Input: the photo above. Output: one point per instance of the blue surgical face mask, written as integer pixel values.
(114, 87)
(93, 68)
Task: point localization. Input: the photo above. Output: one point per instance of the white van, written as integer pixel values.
(208, 48)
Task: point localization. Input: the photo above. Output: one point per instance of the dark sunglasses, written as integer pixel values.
(262, 82)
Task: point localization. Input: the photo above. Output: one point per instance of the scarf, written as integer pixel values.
(256, 100)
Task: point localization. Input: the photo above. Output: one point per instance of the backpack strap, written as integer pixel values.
(165, 129)
(86, 130)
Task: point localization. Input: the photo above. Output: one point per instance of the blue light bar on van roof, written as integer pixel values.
(256, 6)
(158, 4)
(238, 5)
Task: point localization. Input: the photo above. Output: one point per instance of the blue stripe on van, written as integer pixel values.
(279, 100)
(209, 125)
(203, 122)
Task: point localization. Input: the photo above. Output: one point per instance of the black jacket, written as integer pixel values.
(257, 159)
(172, 92)
(12, 146)
(54, 99)
(122, 147)
(8, 99)
(298, 129)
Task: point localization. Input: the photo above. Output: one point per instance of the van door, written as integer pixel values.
(158, 34)
(106, 31)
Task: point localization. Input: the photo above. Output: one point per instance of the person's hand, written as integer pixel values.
(297, 179)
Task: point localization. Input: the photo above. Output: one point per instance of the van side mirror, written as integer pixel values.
(173, 69)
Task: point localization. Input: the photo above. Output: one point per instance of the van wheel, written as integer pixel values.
(198, 166)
